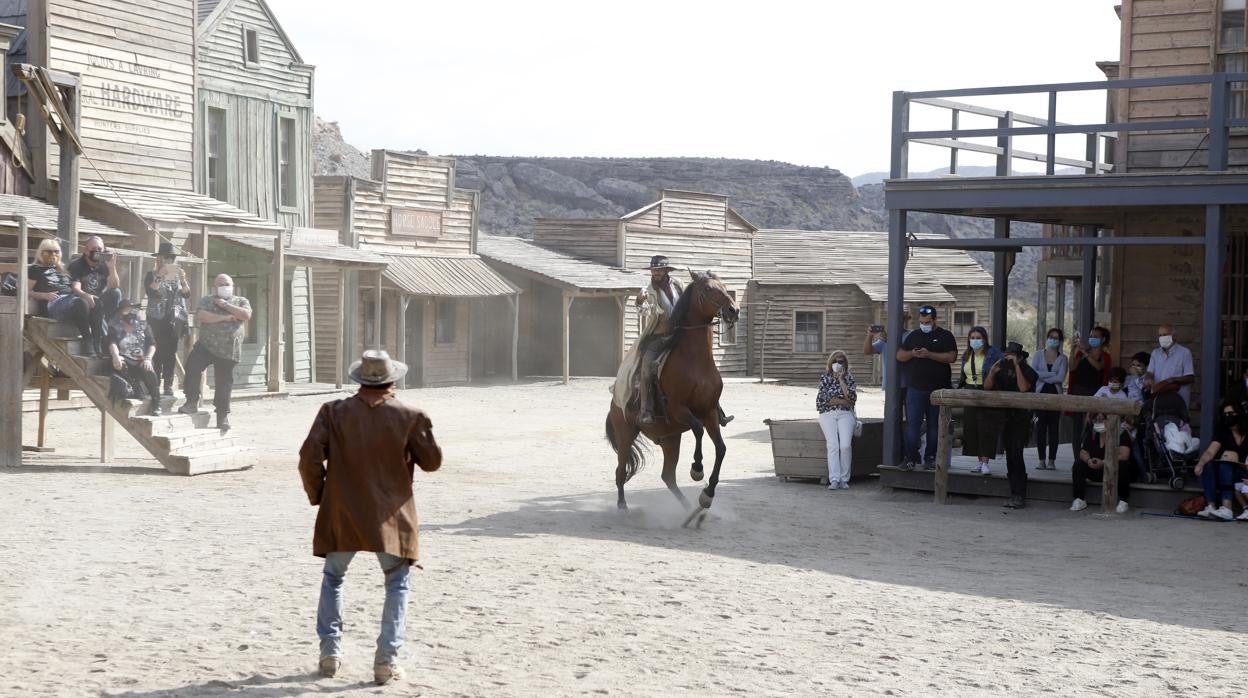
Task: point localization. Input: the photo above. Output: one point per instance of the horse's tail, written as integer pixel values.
(636, 455)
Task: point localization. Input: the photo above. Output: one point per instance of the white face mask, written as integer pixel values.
(225, 292)
(1166, 341)
(1098, 427)
(837, 368)
(1115, 387)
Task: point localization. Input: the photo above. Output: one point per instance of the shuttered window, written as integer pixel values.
(963, 321)
(1233, 51)
(251, 47)
(808, 332)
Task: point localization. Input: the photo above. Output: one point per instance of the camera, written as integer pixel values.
(877, 329)
(106, 255)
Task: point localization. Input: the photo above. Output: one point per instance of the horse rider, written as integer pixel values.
(657, 300)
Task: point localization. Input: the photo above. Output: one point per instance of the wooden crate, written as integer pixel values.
(799, 450)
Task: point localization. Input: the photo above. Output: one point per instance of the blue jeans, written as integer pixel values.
(1218, 481)
(393, 614)
(919, 407)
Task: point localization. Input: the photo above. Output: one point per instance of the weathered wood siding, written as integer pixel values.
(221, 64)
(596, 240)
(299, 337)
(138, 94)
(325, 302)
(329, 206)
(693, 211)
(422, 183)
(445, 364)
(846, 313)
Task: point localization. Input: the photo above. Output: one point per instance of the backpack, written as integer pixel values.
(1191, 506)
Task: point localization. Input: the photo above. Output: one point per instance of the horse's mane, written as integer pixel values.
(680, 313)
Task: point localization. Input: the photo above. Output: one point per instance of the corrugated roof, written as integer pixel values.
(311, 255)
(450, 277)
(175, 205)
(833, 257)
(556, 267)
(42, 217)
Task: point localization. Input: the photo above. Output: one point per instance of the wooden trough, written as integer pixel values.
(800, 451)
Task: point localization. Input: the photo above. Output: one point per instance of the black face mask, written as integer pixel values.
(1230, 420)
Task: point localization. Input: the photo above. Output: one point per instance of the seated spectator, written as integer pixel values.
(97, 286)
(1138, 377)
(1222, 464)
(1089, 370)
(1237, 393)
(1171, 366)
(50, 289)
(131, 346)
(1114, 389)
(1091, 465)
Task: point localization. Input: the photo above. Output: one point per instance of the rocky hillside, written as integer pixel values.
(770, 194)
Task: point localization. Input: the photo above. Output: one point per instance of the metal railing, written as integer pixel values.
(1099, 136)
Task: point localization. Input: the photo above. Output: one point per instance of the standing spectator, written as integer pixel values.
(167, 314)
(356, 465)
(1114, 389)
(1222, 461)
(1237, 393)
(836, 399)
(50, 289)
(1171, 366)
(1050, 366)
(929, 352)
(131, 347)
(980, 426)
(97, 286)
(1012, 374)
(1089, 370)
(1138, 377)
(876, 342)
(1090, 467)
(221, 318)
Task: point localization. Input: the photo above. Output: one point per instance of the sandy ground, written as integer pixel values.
(122, 581)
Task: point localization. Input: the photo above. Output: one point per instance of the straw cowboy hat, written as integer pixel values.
(660, 262)
(376, 367)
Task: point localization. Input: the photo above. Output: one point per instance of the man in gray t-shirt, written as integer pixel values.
(221, 319)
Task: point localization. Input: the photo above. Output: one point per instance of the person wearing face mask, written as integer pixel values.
(1138, 377)
(167, 314)
(1012, 374)
(97, 287)
(221, 319)
(1050, 366)
(929, 352)
(1089, 370)
(980, 426)
(131, 346)
(1091, 465)
(1237, 393)
(835, 401)
(1116, 388)
(1171, 366)
(1222, 464)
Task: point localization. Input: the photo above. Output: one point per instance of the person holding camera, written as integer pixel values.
(97, 286)
(167, 291)
(835, 401)
(1012, 374)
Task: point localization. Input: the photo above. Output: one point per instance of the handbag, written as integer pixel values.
(857, 424)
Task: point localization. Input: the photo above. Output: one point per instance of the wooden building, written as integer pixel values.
(438, 304)
(694, 230)
(1160, 209)
(572, 310)
(15, 166)
(814, 292)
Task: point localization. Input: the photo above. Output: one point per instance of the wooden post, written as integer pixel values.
(944, 453)
(277, 321)
(515, 338)
(340, 345)
(1109, 482)
(13, 376)
(1059, 303)
(565, 340)
(762, 346)
(106, 437)
(1042, 306)
(67, 185)
(402, 338)
(377, 314)
(45, 389)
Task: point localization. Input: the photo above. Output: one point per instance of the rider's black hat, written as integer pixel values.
(660, 262)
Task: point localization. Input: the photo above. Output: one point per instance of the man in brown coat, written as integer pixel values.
(372, 443)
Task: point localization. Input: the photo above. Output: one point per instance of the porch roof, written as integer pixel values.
(446, 276)
(43, 217)
(165, 205)
(304, 248)
(838, 258)
(556, 268)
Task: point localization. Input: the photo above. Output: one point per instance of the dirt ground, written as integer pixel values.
(122, 581)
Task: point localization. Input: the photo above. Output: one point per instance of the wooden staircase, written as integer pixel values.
(184, 444)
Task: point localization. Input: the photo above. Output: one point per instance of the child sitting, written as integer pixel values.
(1117, 377)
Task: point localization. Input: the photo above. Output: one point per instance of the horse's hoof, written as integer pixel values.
(696, 472)
(705, 501)
(621, 505)
(692, 515)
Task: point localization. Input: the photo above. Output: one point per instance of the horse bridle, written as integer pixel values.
(704, 294)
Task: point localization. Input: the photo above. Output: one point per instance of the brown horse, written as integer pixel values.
(690, 385)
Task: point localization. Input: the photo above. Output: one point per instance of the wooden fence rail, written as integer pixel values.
(1113, 409)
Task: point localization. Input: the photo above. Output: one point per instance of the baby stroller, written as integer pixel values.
(1170, 451)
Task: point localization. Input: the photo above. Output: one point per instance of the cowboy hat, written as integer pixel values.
(1016, 348)
(660, 262)
(167, 250)
(376, 367)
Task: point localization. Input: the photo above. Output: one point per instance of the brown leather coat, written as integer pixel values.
(372, 443)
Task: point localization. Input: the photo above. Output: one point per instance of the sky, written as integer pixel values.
(803, 82)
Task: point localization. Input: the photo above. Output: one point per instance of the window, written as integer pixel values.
(216, 154)
(287, 188)
(251, 47)
(963, 321)
(808, 332)
(1233, 52)
(728, 332)
(444, 322)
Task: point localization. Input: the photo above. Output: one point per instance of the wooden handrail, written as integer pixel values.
(1113, 409)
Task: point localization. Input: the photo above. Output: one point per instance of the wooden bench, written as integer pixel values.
(799, 450)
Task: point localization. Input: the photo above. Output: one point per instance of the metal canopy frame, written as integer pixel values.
(1007, 198)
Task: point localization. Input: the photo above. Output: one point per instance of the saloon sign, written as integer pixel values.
(415, 222)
